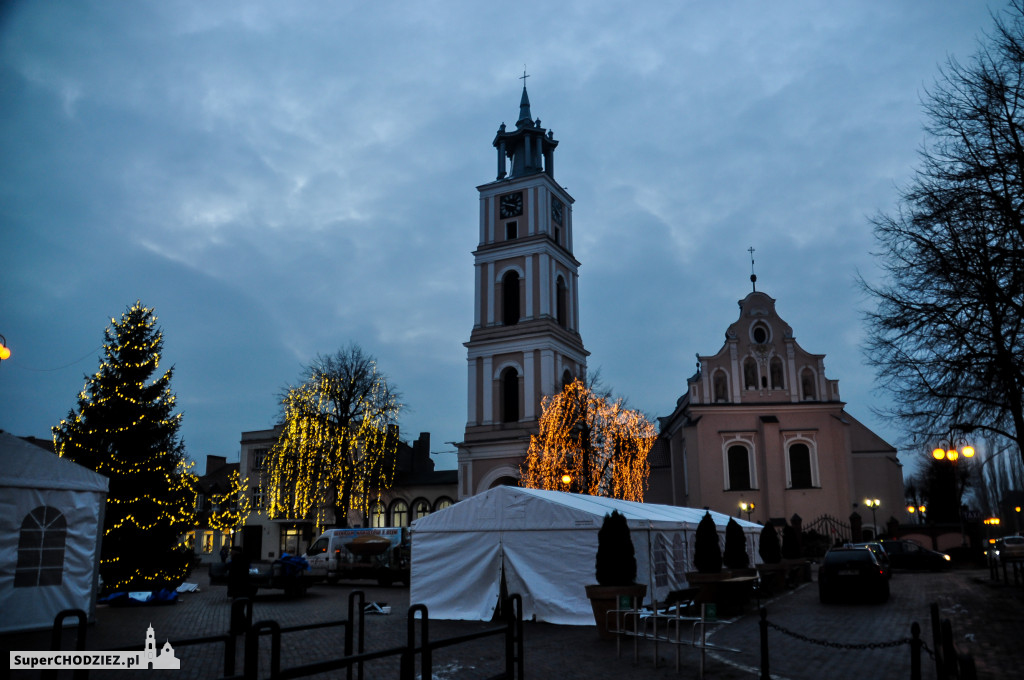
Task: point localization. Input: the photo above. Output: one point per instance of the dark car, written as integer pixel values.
(909, 555)
(880, 555)
(1008, 549)
(852, 573)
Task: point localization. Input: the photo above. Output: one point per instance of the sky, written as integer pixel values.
(279, 180)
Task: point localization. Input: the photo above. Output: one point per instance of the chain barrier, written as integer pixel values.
(925, 648)
(843, 645)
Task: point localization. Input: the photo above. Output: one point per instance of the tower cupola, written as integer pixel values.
(527, 150)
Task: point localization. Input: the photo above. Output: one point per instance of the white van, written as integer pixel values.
(381, 554)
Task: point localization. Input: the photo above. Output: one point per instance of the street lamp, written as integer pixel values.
(919, 509)
(947, 451)
(873, 503)
(747, 508)
(5, 351)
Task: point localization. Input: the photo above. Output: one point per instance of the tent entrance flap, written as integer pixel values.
(456, 575)
(550, 570)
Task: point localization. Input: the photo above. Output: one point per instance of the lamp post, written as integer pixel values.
(873, 503)
(947, 451)
(919, 509)
(747, 508)
(5, 351)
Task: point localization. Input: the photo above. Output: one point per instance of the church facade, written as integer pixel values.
(525, 343)
(761, 424)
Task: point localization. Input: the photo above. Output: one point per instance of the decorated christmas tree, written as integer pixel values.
(125, 429)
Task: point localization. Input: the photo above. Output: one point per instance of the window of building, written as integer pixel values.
(800, 467)
(561, 301)
(420, 508)
(41, 544)
(760, 334)
(720, 384)
(807, 384)
(259, 503)
(510, 298)
(378, 518)
(259, 456)
(739, 468)
(399, 514)
(750, 373)
(775, 368)
(207, 542)
(291, 540)
(200, 502)
(511, 230)
(442, 503)
(509, 395)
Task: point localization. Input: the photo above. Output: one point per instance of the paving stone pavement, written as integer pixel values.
(987, 619)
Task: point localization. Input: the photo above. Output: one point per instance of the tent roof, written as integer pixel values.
(28, 466)
(507, 508)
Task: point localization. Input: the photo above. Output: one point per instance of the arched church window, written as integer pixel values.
(510, 298)
(561, 301)
(807, 384)
(566, 378)
(750, 373)
(399, 513)
(720, 383)
(775, 369)
(739, 468)
(41, 544)
(509, 395)
(442, 503)
(800, 467)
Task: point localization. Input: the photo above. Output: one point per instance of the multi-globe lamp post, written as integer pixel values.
(747, 508)
(919, 509)
(873, 503)
(947, 451)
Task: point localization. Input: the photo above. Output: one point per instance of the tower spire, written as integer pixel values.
(525, 117)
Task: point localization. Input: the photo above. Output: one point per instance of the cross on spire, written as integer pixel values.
(753, 276)
(524, 76)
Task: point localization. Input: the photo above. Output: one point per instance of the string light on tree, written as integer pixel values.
(589, 444)
(124, 428)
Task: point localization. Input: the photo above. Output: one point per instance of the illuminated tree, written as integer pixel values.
(125, 429)
(338, 447)
(595, 443)
(232, 507)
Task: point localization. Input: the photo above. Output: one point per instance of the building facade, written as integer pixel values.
(525, 343)
(418, 489)
(760, 423)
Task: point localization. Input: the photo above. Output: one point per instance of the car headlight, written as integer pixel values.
(946, 557)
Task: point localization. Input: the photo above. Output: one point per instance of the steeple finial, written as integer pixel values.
(525, 117)
(753, 276)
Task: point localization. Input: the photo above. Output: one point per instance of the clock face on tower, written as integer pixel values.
(556, 211)
(511, 205)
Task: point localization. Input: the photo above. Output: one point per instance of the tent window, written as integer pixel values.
(41, 545)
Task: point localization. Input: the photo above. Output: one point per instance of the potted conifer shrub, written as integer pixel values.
(615, 569)
(735, 557)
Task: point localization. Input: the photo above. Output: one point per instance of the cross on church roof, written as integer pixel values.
(753, 276)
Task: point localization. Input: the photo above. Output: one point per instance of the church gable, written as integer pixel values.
(761, 362)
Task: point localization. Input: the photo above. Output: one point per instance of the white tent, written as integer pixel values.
(546, 543)
(51, 520)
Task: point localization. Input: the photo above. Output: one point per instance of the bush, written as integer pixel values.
(735, 555)
(616, 559)
(707, 554)
(768, 547)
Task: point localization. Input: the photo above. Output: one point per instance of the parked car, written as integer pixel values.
(852, 573)
(1009, 549)
(880, 555)
(905, 554)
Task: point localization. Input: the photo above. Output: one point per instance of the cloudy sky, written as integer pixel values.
(280, 179)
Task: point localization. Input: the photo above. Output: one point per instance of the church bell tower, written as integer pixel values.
(525, 342)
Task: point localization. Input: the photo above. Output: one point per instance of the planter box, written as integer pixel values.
(604, 599)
